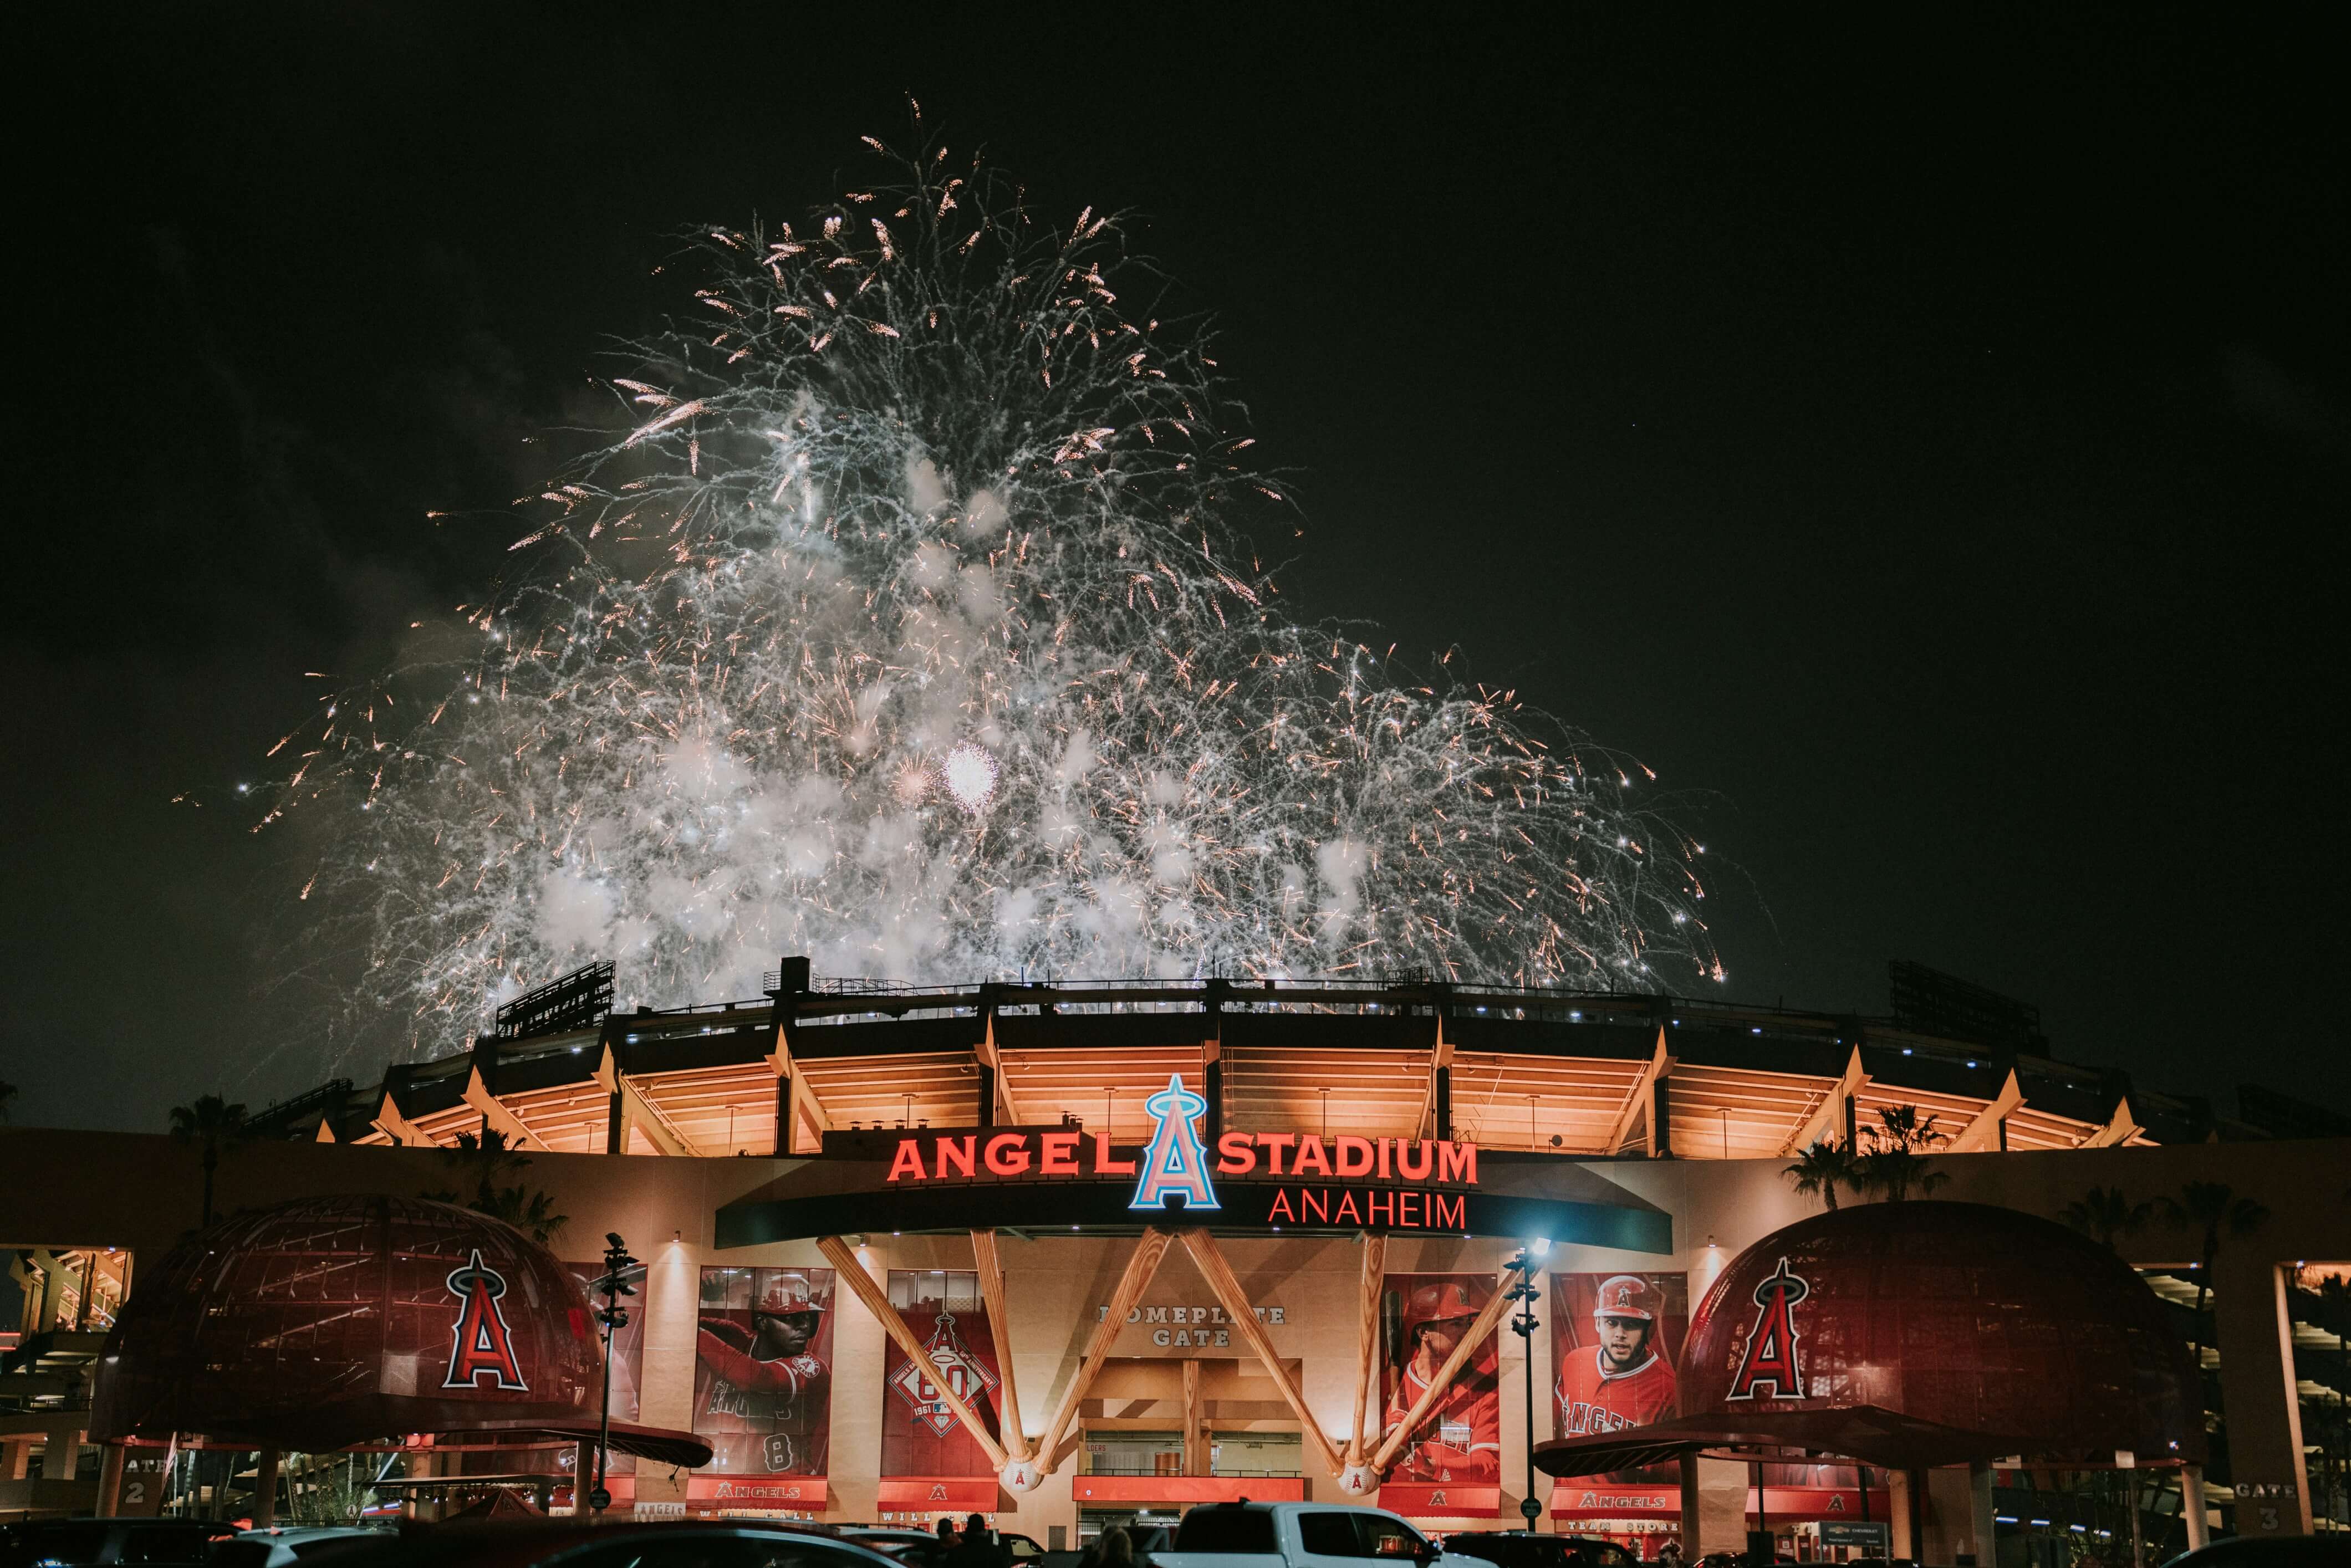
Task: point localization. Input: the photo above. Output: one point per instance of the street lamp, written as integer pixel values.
(612, 1286)
(1524, 1325)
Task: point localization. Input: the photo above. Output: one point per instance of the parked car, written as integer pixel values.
(2251, 1551)
(279, 1547)
(915, 1548)
(626, 1544)
(924, 1549)
(1524, 1549)
(72, 1542)
(1299, 1535)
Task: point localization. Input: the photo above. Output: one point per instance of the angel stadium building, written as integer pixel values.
(1073, 1254)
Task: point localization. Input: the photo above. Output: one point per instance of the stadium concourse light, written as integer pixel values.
(619, 1269)
(1524, 1325)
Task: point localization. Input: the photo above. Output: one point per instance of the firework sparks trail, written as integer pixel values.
(904, 622)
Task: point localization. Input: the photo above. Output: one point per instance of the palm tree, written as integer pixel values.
(1895, 1165)
(485, 1160)
(530, 1212)
(2212, 1206)
(1825, 1165)
(216, 1123)
(2107, 1216)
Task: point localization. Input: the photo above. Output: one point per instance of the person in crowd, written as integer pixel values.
(978, 1548)
(1114, 1548)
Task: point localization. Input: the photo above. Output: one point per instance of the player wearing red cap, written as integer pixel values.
(1621, 1381)
(1461, 1440)
(760, 1396)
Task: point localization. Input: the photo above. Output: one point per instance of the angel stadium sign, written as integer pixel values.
(1174, 1172)
(1065, 1178)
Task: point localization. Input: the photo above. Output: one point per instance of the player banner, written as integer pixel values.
(763, 1369)
(920, 1435)
(1422, 1318)
(1613, 1342)
(1614, 1338)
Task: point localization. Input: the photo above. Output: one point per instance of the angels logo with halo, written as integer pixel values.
(481, 1341)
(1174, 1165)
(1770, 1352)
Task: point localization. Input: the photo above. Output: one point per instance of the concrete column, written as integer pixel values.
(583, 1477)
(858, 1351)
(52, 1291)
(412, 1500)
(2257, 1389)
(1901, 1515)
(63, 1449)
(1714, 1506)
(671, 1305)
(109, 1481)
(265, 1488)
(1981, 1523)
(1947, 1515)
(2192, 1506)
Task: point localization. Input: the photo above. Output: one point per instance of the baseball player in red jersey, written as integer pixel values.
(1621, 1381)
(760, 1396)
(1462, 1437)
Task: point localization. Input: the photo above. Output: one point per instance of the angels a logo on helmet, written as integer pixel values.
(481, 1343)
(1771, 1356)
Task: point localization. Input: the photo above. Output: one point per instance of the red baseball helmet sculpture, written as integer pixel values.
(330, 1320)
(1961, 1313)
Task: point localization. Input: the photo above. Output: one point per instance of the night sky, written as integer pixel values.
(1923, 440)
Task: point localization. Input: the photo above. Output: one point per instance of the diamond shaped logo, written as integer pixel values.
(967, 1375)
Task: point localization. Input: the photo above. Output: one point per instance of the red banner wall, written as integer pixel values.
(920, 1435)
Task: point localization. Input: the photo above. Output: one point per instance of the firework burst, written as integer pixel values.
(906, 619)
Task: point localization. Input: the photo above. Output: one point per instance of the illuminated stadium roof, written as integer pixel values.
(1575, 1074)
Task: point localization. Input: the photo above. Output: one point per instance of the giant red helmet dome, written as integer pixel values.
(330, 1320)
(1961, 1313)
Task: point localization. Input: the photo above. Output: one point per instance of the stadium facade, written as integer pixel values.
(1166, 1243)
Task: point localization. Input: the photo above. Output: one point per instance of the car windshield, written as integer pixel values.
(1226, 1529)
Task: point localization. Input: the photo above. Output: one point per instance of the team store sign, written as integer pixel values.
(1175, 1172)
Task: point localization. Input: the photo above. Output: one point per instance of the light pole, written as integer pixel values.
(1524, 1325)
(612, 1286)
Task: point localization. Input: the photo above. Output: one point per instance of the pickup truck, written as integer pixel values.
(1299, 1535)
